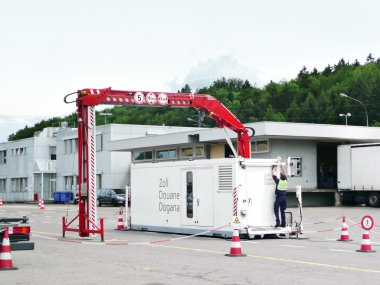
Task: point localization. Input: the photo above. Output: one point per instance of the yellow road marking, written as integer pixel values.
(251, 256)
(276, 259)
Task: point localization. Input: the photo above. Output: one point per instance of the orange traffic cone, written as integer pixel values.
(120, 222)
(5, 253)
(344, 236)
(366, 243)
(235, 250)
(1, 202)
(42, 204)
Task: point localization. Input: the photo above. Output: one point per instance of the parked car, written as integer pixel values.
(115, 197)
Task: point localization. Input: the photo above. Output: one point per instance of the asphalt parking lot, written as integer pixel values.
(132, 257)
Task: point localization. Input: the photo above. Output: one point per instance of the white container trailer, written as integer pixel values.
(359, 173)
(192, 197)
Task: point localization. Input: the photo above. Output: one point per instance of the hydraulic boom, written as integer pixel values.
(86, 101)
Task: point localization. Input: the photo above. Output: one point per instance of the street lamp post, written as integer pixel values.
(345, 115)
(105, 116)
(365, 109)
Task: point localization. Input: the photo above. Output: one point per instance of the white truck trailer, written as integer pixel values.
(359, 173)
(192, 197)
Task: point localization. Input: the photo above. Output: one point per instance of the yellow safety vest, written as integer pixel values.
(282, 185)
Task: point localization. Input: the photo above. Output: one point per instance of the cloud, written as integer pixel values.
(11, 124)
(205, 73)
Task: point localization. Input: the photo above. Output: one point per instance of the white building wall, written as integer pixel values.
(307, 150)
(21, 156)
(113, 167)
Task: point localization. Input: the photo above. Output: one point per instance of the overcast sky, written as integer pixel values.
(49, 48)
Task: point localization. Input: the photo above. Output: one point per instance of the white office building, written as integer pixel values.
(37, 167)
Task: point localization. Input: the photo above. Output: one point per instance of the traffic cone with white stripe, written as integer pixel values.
(120, 223)
(1, 202)
(42, 204)
(344, 236)
(5, 253)
(235, 250)
(366, 243)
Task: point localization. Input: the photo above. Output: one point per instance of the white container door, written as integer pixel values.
(197, 197)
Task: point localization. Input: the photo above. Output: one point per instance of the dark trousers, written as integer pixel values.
(280, 204)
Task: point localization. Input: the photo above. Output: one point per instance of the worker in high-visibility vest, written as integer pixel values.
(280, 202)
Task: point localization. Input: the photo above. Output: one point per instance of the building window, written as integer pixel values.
(53, 152)
(2, 185)
(142, 155)
(71, 146)
(186, 152)
(19, 151)
(75, 145)
(259, 146)
(199, 151)
(166, 154)
(67, 144)
(3, 157)
(99, 142)
(190, 152)
(98, 181)
(19, 184)
(71, 183)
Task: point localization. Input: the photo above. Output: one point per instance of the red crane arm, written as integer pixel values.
(86, 101)
(206, 103)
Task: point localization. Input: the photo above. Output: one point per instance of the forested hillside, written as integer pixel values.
(312, 97)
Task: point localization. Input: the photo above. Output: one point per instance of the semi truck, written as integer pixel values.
(359, 173)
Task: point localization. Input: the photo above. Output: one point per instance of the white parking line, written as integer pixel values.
(341, 250)
(44, 237)
(295, 246)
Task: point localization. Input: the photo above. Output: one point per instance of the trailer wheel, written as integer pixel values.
(373, 199)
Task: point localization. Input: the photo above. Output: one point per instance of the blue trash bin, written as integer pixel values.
(57, 197)
(65, 197)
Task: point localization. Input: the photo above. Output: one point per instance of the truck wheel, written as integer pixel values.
(373, 199)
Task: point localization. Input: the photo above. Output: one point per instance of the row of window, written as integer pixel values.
(188, 152)
(259, 146)
(71, 145)
(22, 151)
(71, 182)
(18, 151)
(167, 154)
(17, 184)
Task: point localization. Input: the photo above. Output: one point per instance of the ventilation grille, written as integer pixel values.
(225, 177)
